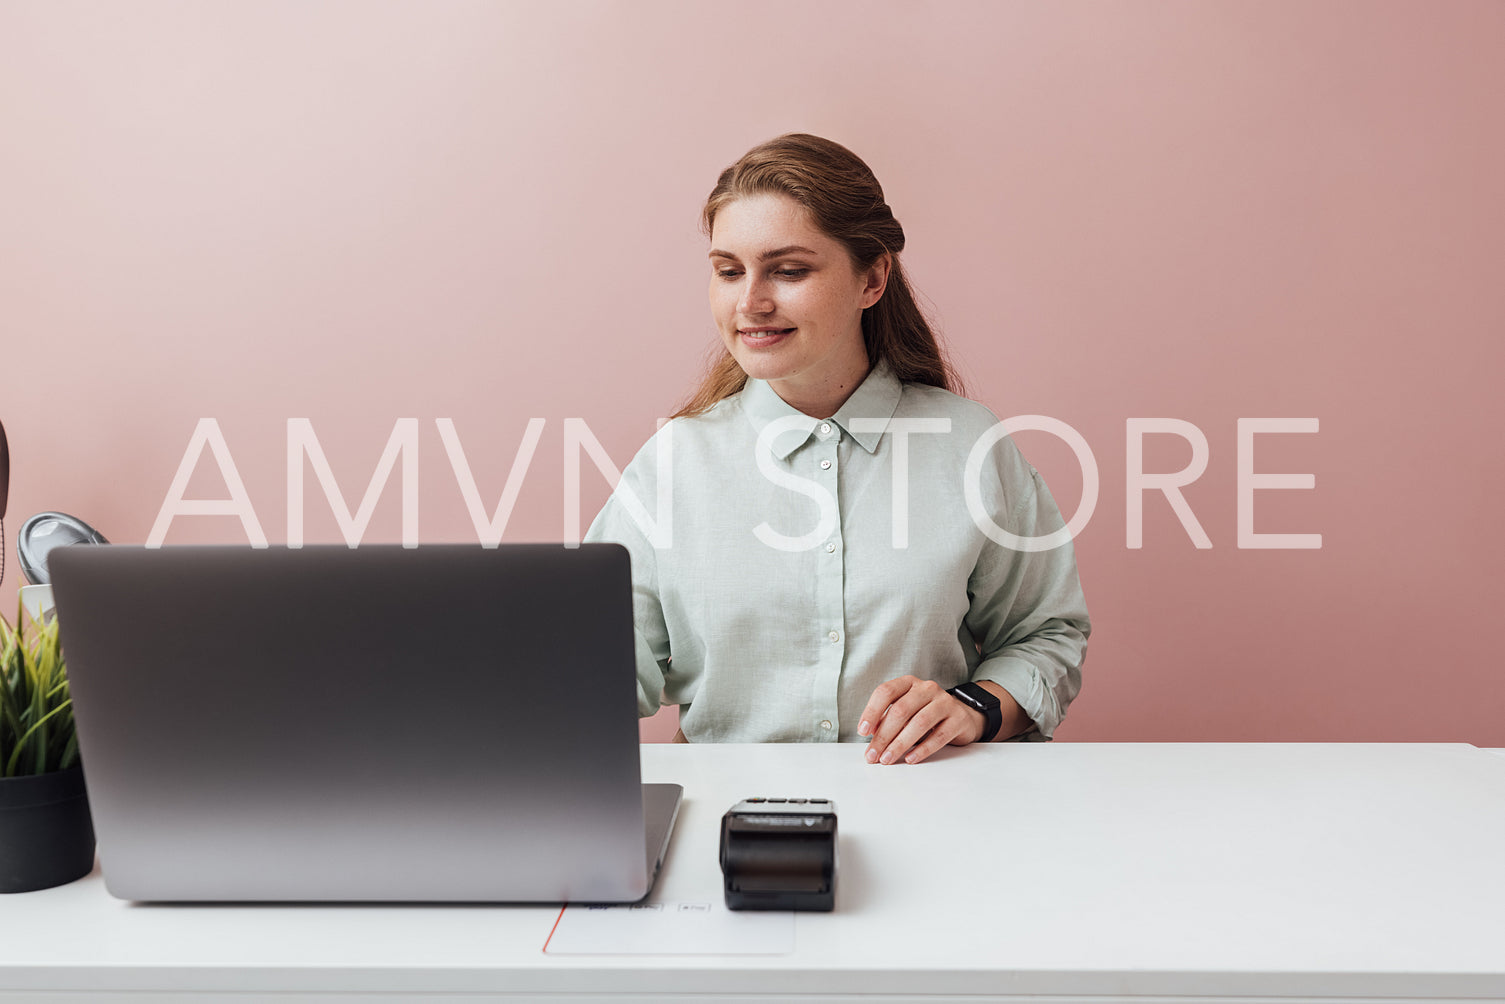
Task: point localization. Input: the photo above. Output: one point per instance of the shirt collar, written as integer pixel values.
(877, 397)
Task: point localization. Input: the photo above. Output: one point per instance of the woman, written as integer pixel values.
(826, 575)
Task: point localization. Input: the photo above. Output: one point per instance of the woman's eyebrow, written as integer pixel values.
(766, 255)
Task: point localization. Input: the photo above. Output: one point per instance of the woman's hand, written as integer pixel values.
(909, 719)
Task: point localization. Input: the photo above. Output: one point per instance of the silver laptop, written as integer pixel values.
(438, 724)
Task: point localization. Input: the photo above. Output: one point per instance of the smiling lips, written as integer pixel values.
(763, 337)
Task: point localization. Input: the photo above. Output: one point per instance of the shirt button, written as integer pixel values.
(834, 636)
(825, 428)
(830, 548)
(825, 465)
(825, 725)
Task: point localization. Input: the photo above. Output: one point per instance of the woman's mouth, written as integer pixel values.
(763, 337)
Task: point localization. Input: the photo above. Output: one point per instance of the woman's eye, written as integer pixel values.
(727, 273)
(793, 273)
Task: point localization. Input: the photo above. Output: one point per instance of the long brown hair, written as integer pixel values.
(846, 202)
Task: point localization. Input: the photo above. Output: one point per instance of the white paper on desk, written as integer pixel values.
(674, 928)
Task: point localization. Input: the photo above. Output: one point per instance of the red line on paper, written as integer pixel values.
(555, 927)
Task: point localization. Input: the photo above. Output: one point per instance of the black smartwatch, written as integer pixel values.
(974, 696)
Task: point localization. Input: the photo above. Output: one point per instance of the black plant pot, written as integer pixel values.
(46, 833)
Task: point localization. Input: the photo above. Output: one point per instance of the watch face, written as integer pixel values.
(976, 696)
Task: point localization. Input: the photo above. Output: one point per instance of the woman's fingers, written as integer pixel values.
(909, 719)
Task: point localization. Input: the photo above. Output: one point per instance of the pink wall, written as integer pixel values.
(355, 212)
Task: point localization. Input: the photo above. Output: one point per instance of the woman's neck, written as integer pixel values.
(821, 396)
(818, 402)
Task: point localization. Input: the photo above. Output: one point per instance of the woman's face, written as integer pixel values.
(788, 303)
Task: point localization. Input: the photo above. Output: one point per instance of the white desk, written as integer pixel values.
(1065, 871)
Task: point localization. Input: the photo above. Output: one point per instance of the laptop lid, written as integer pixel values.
(442, 723)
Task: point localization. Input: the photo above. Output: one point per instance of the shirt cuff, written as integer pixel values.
(1027, 687)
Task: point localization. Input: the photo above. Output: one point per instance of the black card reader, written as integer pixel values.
(779, 854)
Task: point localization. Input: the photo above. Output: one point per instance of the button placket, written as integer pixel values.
(830, 600)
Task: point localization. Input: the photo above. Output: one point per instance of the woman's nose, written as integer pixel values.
(755, 297)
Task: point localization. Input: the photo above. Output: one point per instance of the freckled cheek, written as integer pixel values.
(723, 305)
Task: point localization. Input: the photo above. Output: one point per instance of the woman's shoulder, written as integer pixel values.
(719, 413)
(973, 425)
(688, 433)
(709, 424)
(926, 401)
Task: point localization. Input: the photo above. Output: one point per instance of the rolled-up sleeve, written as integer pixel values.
(1027, 610)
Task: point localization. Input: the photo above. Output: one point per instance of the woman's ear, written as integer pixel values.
(876, 281)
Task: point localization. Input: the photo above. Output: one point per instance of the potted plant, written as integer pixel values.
(46, 833)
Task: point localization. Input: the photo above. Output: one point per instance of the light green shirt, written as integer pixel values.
(778, 580)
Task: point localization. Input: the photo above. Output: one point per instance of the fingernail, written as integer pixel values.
(888, 757)
(911, 758)
(872, 756)
(862, 729)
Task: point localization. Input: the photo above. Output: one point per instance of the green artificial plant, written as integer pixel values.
(36, 711)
